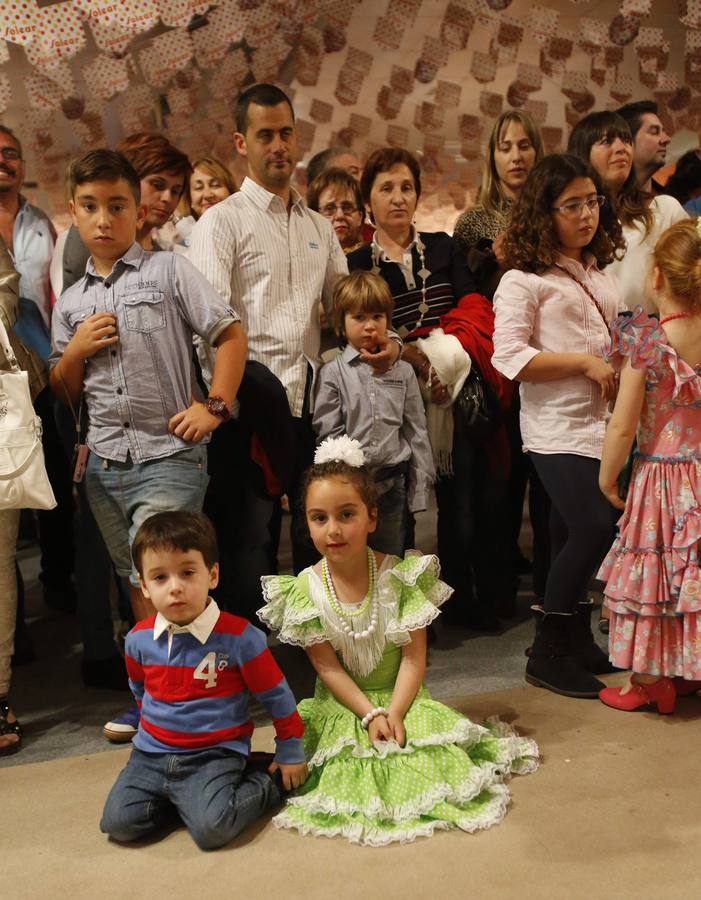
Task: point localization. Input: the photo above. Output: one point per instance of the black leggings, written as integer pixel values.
(582, 525)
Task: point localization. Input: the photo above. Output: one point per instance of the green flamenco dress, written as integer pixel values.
(451, 771)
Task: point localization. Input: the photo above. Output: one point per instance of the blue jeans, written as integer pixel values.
(122, 495)
(392, 520)
(209, 789)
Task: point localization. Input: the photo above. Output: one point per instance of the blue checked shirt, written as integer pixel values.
(132, 388)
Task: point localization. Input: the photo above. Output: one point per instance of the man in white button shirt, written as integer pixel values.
(273, 260)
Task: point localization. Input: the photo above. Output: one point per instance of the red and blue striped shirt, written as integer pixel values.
(193, 693)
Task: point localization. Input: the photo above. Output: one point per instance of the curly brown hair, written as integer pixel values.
(531, 242)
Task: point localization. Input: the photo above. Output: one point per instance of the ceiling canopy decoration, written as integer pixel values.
(427, 74)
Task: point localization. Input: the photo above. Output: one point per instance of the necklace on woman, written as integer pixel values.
(424, 274)
(370, 601)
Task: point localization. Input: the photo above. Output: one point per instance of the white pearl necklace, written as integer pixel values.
(345, 617)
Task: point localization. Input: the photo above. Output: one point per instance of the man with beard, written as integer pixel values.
(273, 260)
(650, 140)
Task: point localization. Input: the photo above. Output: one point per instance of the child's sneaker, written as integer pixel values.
(123, 729)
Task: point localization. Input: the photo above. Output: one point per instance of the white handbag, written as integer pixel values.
(24, 483)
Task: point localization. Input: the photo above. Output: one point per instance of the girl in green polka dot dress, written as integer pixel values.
(386, 762)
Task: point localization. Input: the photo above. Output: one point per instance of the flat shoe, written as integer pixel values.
(7, 727)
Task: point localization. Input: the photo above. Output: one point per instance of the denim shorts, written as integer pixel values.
(122, 495)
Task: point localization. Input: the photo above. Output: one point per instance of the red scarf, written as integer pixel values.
(472, 322)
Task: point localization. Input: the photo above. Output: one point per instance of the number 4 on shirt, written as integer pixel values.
(207, 670)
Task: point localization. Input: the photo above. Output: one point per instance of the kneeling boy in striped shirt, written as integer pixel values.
(191, 669)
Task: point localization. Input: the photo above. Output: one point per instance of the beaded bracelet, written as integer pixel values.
(373, 714)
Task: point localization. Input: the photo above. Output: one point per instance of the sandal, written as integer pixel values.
(7, 727)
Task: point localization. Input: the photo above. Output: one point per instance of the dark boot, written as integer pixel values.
(551, 664)
(584, 648)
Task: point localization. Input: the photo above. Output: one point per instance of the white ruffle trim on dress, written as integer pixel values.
(491, 814)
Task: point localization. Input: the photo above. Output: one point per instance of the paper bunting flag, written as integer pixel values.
(136, 109)
(434, 55)
(165, 54)
(529, 77)
(360, 125)
(583, 103)
(401, 80)
(348, 85)
(537, 110)
(483, 67)
(470, 126)
(342, 10)
(261, 27)
(571, 115)
(613, 56)
(640, 8)
(178, 13)
(429, 117)
(210, 46)
(106, 76)
(598, 70)
(593, 35)
(229, 76)
(505, 54)
(561, 46)
(358, 61)
(623, 30)
(389, 103)
(42, 92)
(509, 32)
(622, 87)
(397, 136)
(388, 34)
(456, 26)
(667, 85)
(491, 104)
(182, 102)
(448, 94)
(114, 23)
(73, 107)
(471, 149)
(307, 67)
(230, 22)
(541, 24)
(320, 111)
(680, 99)
(574, 83)
(650, 40)
(20, 23)
(648, 71)
(552, 138)
(515, 95)
(5, 92)
(690, 13)
(59, 36)
(334, 38)
(311, 42)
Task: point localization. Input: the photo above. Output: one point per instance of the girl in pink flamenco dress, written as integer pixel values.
(653, 583)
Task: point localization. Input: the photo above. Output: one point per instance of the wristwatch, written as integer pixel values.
(216, 407)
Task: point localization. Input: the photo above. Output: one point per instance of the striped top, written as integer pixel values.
(450, 279)
(273, 267)
(192, 685)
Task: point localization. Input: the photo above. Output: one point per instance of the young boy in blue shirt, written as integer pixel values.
(122, 341)
(383, 411)
(192, 668)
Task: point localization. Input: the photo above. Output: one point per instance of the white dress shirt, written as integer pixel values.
(552, 313)
(273, 266)
(201, 627)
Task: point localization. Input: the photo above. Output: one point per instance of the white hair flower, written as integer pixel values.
(340, 449)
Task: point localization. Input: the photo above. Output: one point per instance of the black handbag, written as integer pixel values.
(476, 408)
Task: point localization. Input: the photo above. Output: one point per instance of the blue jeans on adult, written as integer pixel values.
(210, 790)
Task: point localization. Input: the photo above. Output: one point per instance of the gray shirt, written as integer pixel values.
(385, 413)
(133, 388)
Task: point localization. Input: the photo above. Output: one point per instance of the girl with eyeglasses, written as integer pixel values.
(604, 140)
(553, 310)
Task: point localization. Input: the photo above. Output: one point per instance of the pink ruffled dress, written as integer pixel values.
(653, 584)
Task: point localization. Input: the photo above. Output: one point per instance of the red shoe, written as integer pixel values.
(686, 688)
(661, 692)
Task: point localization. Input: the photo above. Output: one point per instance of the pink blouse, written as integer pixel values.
(552, 313)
